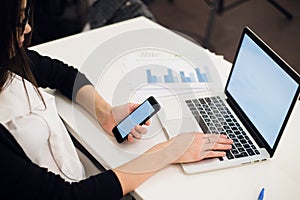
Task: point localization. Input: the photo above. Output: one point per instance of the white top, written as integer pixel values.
(40, 133)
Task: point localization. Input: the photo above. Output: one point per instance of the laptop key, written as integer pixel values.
(240, 137)
(188, 101)
(195, 113)
(208, 100)
(237, 144)
(213, 117)
(195, 101)
(202, 101)
(244, 154)
(221, 130)
(250, 152)
(239, 156)
(229, 131)
(229, 155)
(234, 152)
(207, 120)
(243, 141)
(241, 149)
(202, 124)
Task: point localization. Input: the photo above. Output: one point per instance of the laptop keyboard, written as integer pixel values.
(214, 117)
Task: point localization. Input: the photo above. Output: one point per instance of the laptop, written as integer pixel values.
(253, 110)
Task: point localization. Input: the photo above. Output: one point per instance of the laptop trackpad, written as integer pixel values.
(176, 126)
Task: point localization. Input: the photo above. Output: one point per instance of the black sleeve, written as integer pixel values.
(22, 179)
(55, 74)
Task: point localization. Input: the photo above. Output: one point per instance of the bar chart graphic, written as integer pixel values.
(165, 72)
(169, 76)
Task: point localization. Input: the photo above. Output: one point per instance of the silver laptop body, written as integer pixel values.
(260, 93)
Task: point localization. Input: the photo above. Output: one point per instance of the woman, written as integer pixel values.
(38, 159)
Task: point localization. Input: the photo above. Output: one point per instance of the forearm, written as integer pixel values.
(184, 148)
(90, 100)
(134, 173)
(137, 171)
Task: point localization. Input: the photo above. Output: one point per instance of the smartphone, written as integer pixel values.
(138, 116)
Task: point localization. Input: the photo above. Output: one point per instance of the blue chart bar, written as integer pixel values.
(171, 76)
(207, 74)
(184, 78)
(150, 78)
(201, 76)
(192, 76)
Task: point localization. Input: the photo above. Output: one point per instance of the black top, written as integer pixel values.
(20, 178)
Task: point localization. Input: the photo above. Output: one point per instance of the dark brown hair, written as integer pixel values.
(13, 59)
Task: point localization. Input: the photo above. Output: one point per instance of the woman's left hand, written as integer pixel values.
(120, 112)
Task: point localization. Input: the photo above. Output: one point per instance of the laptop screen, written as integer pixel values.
(262, 88)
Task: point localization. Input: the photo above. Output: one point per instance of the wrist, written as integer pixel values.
(103, 112)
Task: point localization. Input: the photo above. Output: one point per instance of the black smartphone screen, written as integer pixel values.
(139, 116)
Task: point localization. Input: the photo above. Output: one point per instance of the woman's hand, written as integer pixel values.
(107, 117)
(117, 114)
(184, 148)
(198, 146)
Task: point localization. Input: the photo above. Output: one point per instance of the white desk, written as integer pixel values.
(279, 176)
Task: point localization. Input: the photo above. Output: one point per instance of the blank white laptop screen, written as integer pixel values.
(265, 102)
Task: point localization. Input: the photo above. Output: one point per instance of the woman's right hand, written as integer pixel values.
(184, 148)
(199, 146)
